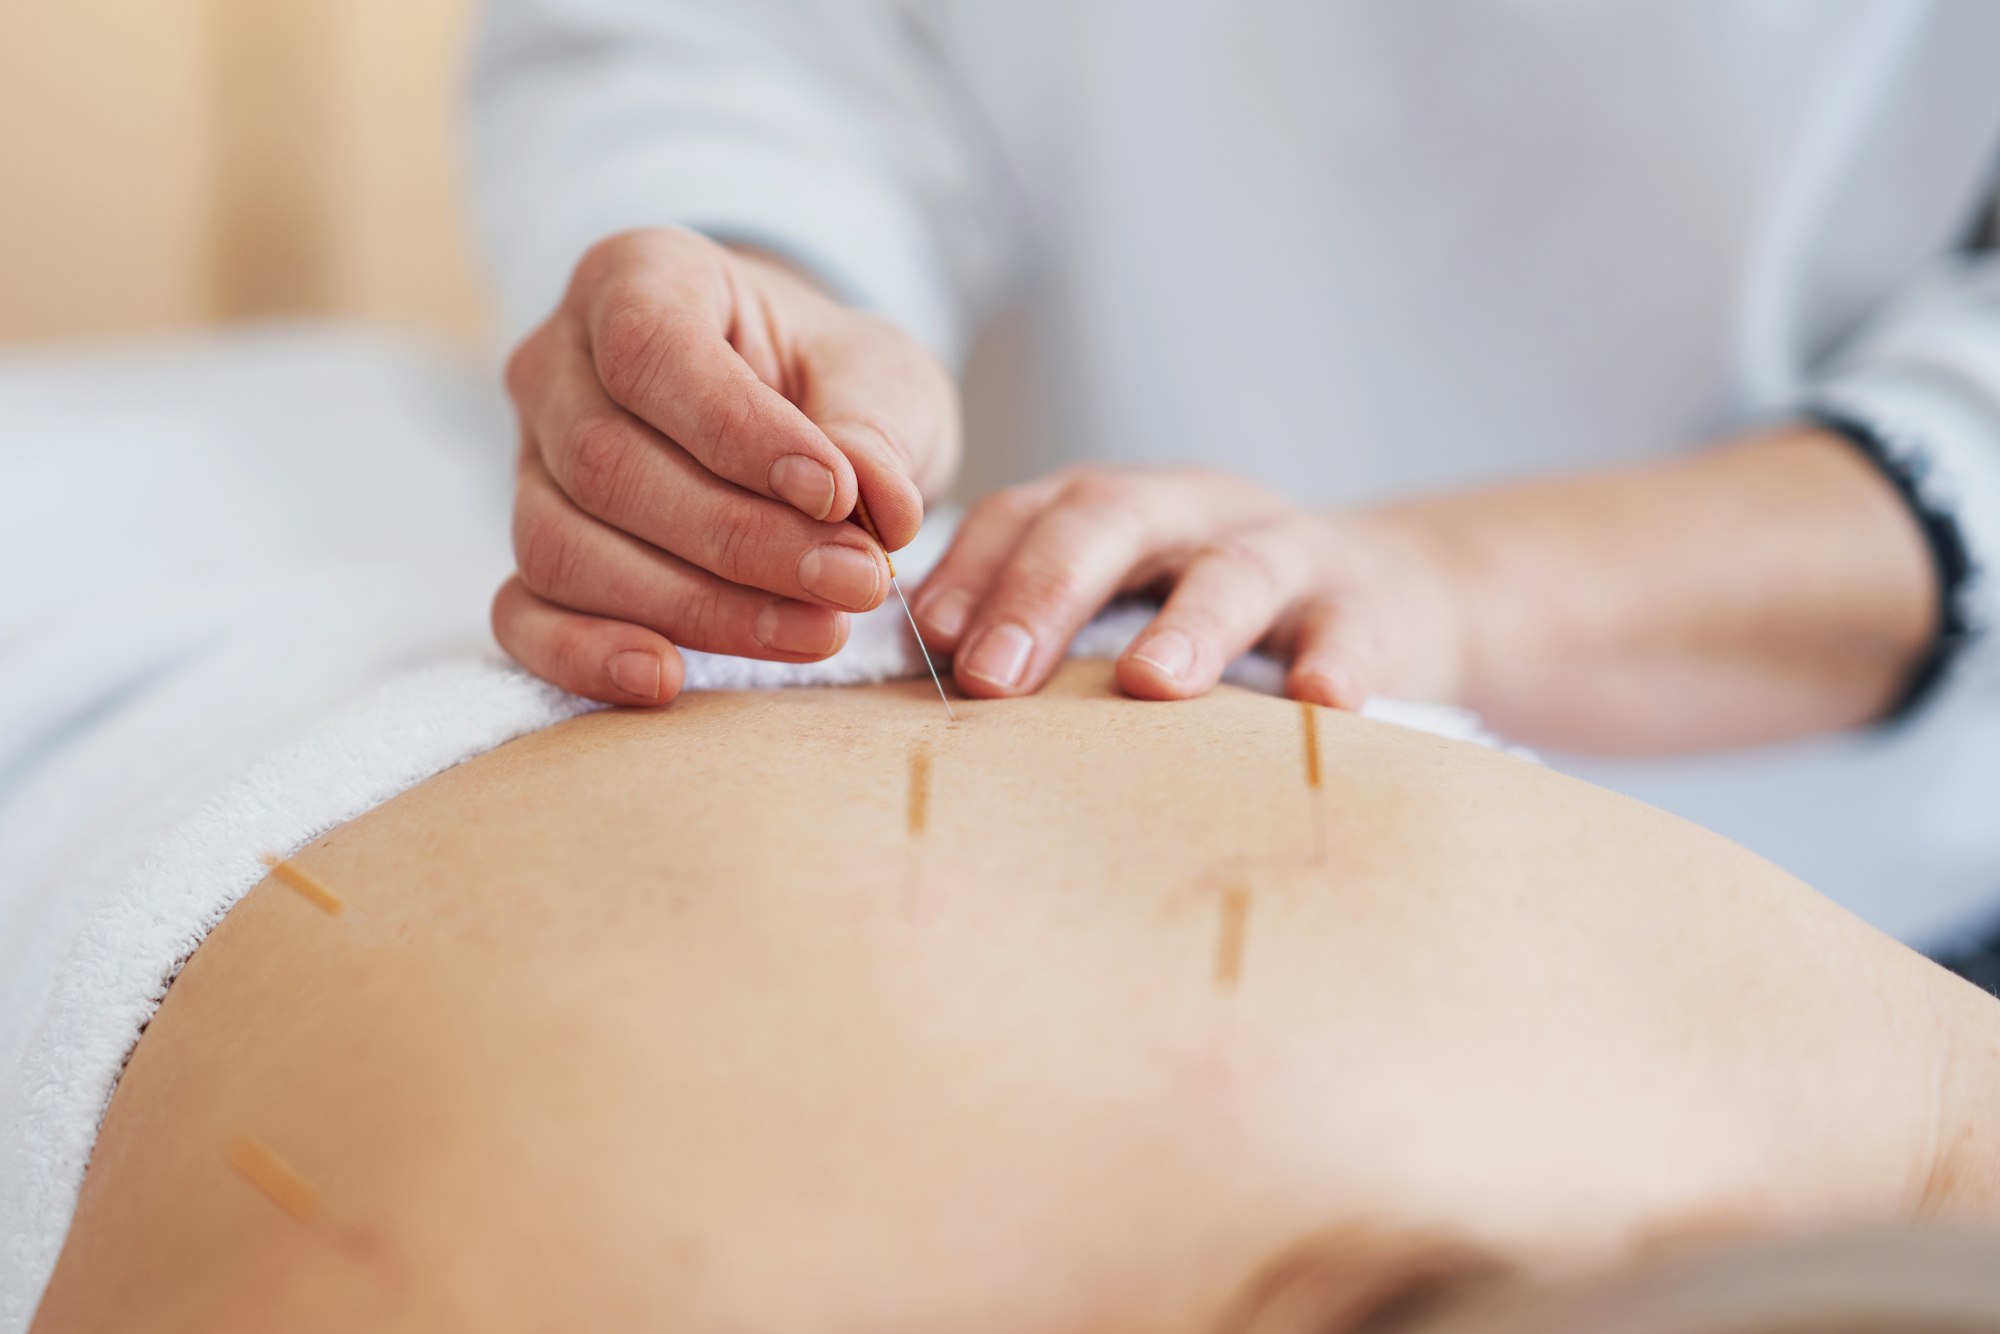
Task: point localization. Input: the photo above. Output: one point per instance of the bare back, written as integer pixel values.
(806, 1009)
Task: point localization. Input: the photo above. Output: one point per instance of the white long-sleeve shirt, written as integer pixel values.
(1359, 247)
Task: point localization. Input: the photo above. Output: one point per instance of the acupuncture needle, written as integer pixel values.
(868, 526)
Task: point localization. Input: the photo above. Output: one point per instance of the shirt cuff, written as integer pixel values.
(1941, 438)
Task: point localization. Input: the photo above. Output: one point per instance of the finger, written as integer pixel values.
(893, 411)
(1224, 602)
(605, 660)
(575, 561)
(1336, 657)
(616, 468)
(1074, 556)
(984, 540)
(895, 504)
(661, 353)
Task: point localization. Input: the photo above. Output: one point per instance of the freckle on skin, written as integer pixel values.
(305, 886)
(1230, 938)
(272, 1177)
(920, 789)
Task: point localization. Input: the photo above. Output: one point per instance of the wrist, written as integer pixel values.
(1904, 467)
(1769, 587)
(1885, 607)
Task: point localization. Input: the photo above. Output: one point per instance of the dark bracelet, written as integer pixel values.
(1905, 469)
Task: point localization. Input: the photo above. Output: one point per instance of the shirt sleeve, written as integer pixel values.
(1924, 375)
(825, 131)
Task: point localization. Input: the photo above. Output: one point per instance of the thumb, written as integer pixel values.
(893, 412)
(891, 498)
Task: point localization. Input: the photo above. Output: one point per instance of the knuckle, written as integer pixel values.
(1014, 503)
(1039, 593)
(575, 658)
(599, 463)
(707, 618)
(1250, 558)
(739, 546)
(1106, 501)
(895, 442)
(1089, 481)
(628, 348)
(605, 259)
(723, 421)
(545, 552)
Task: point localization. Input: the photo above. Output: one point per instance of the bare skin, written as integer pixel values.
(695, 1019)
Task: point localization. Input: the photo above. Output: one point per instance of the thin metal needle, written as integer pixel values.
(868, 527)
(896, 584)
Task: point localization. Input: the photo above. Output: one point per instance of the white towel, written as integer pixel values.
(283, 643)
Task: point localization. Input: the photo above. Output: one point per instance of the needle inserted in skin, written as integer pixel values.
(935, 678)
(868, 526)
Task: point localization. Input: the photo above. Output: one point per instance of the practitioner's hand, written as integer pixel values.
(696, 423)
(1359, 606)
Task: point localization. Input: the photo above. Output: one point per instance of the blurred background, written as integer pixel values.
(175, 164)
(220, 219)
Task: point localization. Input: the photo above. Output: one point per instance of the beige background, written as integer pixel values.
(166, 164)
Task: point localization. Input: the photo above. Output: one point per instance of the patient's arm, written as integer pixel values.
(699, 1019)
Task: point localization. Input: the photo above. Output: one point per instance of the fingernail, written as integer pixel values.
(793, 627)
(1001, 655)
(637, 673)
(946, 612)
(804, 484)
(1169, 653)
(847, 576)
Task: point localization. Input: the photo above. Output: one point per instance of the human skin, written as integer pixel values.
(693, 1019)
(699, 422)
